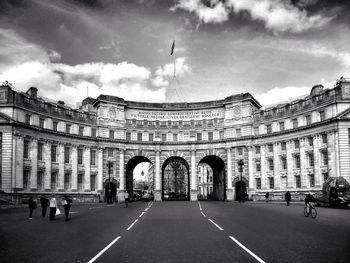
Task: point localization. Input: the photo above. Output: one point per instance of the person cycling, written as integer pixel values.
(309, 198)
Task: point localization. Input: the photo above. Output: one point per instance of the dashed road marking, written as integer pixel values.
(203, 214)
(142, 214)
(200, 207)
(131, 225)
(146, 209)
(215, 224)
(104, 250)
(246, 249)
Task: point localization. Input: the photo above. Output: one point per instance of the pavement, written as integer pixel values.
(177, 231)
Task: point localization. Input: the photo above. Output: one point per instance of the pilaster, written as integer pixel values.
(18, 163)
(194, 192)
(250, 168)
(157, 179)
(276, 165)
(34, 164)
(100, 170)
(47, 161)
(263, 166)
(60, 159)
(229, 190)
(303, 164)
(290, 165)
(317, 161)
(87, 168)
(74, 159)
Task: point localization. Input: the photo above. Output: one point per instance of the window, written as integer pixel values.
(110, 152)
(296, 144)
(297, 161)
(93, 157)
(40, 180)
(151, 137)
(66, 154)
(81, 131)
(308, 119)
(271, 182)
(322, 115)
(312, 180)
(55, 125)
(256, 130)
(270, 163)
(139, 136)
(310, 141)
(80, 156)
(283, 146)
(26, 149)
(269, 128)
(221, 134)
(128, 136)
(324, 138)
(53, 181)
(164, 137)
(41, 122)
(80, 182)
(93, 183)
(283, 163)
(257, 149)
(239, 150)
(93, 132)
(210, 136)
(257, 165)
(324, 156)
(325, 176)
(111, 134)
(297, 181)
(175, 137)
(66, 181)
(199, 136)
(26, 179)
(258, 183)
(40, 151)
(310, 158)
(281, 126)
(270, 147)
(238, 132)
(53, 153)
(27, 119)
(295, 123)
(68, 127)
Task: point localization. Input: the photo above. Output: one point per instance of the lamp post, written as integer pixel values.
(109, 165)
(240, 166)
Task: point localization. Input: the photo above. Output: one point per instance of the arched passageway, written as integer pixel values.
(218, 182)
(175, 179)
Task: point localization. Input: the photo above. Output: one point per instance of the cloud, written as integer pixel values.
(277, 15)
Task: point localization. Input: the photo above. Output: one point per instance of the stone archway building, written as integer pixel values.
(295, 146)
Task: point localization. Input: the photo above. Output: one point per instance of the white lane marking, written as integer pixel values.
(146, 209)
(215, 224)
(200, 208)
(104, 250)
(203, 214)
(142, 214)
(246, 249)
(74, 212)
(131, 225)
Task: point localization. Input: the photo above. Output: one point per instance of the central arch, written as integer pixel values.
(175, 179)
(219, 179)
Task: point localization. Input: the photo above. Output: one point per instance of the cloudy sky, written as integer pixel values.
(273, 49)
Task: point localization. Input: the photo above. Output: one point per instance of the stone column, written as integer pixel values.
(122, 178)
(263, 166)
(194, 191)
(290, 164)
(100, 171)
(74, 159)
(250, 168)
(34, 163)
(276, 165)
(332, 147)
(47, 160)
(303, 164)
(60, 159)
(317, 161)
(229, 190)
(18, 163)
(87, 168)
(158, 179)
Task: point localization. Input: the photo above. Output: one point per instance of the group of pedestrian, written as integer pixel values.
(52, 204)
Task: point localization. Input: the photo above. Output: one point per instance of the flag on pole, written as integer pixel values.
(172, 48)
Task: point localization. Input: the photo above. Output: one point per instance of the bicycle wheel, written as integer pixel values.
(313, 212)
(306, 213)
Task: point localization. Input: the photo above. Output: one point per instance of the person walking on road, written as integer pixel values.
(126, 198)
(31, 206)
(287, 197)
(267, 196)
(66, 205)
(44, 204)
(53, 207)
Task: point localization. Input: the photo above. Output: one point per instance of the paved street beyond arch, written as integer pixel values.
(177, 231)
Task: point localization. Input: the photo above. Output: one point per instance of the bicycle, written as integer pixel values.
(312, 211)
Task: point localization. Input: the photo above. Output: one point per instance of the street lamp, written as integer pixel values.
(109, 165)
(240, 168)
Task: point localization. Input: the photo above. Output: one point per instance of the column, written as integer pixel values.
(60, 179)
(100, 171)
(303, 164)
(18, 163)
(194, 194)
(332, 148)
(290, 165)
(317, 161)
(157, 179)
(34, 163)
(229, 190)
(122, 179)
(250, 168)
(47, 161)
(74, 177)
(263, 166)
(276, 165)
(87, 168)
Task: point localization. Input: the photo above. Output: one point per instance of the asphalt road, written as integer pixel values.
(177, 232)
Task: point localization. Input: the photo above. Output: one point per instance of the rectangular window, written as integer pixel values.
(258, 183)
(26, 149)
(257, 165)
(199, 136)
(270, 162)
(322, 116)
(297, 181)
(40, 151)
(271, 182)
(310, 141)
(238, 132)
(163, 137)
(270, 147)
(221, 134)
(93, 157)
(256, 130)
(210, 136)
(110, 152)
(41, 122)
(81, 131)
(66, 181)
(325, 176)
(55, 125)
(139, 136)
(80, 156)
(111, 134)
(324, 155)
(128, 136)
(93, 132)
(295, 123)
(283, 163)
(80, 182)
(66, 154)
(27, 120)
(281, 126)
(324, 138)
(257, 149)
(296, 144)
(283, 146)
(175, 137)
(308, 119)
(312, 180)
(40, 180)
(93, 183)
(53, 181)
(151, 137)
(297, 161)
(310, 159)
(68, 126)
(269, 128)
(26, 179)
(53, 153)
(240, 151)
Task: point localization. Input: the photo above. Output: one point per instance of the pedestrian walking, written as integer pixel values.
(53, 207)
(267, 196)
(31, 206)
(44, 204)
(66, 205)
(287, 197)
(126, 198)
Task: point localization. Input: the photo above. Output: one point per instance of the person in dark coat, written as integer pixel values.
(31, 206)
(267, 196)
(44, 204)
(287, 197)
(66, 205)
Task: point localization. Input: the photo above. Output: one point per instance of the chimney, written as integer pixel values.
(33, 92)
